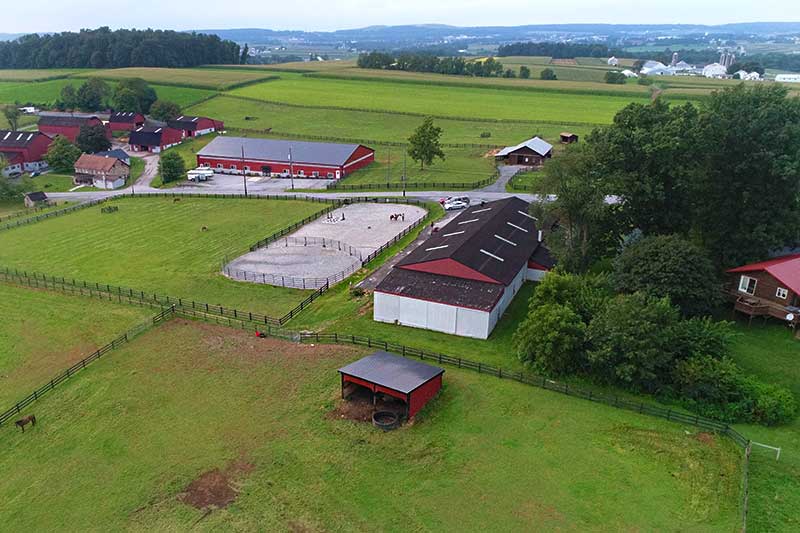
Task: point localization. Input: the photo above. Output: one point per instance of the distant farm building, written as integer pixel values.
(567, 137)
(413, 382)
(196, 126)
(67, 125)
(613, 61)
(125, 122)
(237, 155)
(531, 153)
(770, 288)
(23, 151)
(463, 277)
(122, 155)
(155, 140)
(35, 199)
(629, 73)
(788, 78)
(101, 172)
(715, 70)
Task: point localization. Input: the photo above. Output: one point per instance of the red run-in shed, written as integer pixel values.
(411, 381)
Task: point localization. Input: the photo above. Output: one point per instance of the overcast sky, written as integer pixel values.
(20, 16)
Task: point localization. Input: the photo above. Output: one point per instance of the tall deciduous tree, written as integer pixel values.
(133, 95)
(62, 154)
(245, 54)
(91, 96)
(93, 139)
(164, 110)
(747, 199)
(648, 156)
(69, 97)
(424, 143)
(171, 167)
(12, 114)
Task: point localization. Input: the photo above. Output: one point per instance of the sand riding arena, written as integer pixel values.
(328, 249)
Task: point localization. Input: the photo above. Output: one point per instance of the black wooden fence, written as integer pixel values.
(426, 185)
(50, 214)
(17, 408)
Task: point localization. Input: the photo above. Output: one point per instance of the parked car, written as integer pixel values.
(455, 202)
(35, 173)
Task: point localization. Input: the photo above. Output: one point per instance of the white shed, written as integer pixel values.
(715, 70)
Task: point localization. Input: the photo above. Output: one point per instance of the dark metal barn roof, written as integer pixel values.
(392, 371)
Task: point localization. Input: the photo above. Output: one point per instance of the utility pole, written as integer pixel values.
(291, 166)
(403, 177)
(244, 175)
(388, 166)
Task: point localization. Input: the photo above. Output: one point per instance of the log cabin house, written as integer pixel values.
(769, 289)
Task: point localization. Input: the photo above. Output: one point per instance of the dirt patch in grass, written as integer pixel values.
(216, 489)
(706, 438)
(359, 406)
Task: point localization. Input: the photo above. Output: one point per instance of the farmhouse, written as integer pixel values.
(770, 288)
(532, 152)
(101, 172)
(125, 122)
(67, 125)
(35, 199)
(196, 126)
(147, 139)
(413, 382)
(237, 155)
(463, 277)
(23, 151)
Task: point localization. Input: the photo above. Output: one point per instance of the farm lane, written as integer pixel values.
(506, 173)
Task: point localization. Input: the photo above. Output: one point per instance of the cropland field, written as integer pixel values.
(35, 74)
(365, 125)
(191, 415)
(47, 92)
(447, 101)
(157, 245)
(43, 333)
(208, 78)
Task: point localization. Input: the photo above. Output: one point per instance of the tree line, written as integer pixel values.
(422, 62)
(696, 190)
(104, 48)
(557, 50)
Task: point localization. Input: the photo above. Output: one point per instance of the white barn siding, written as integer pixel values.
(534, 274)
(431, 315)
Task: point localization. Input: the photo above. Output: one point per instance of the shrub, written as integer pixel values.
(357, 292)
(701, 336)
(486, 134)
(644, 80)
(548, 74)
(584, 294)
(171, 167)
(629, 344)
(551, 339)
(617, 78)
(669, 265)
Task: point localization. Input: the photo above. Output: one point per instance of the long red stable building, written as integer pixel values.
(68, 125)
(237, 155)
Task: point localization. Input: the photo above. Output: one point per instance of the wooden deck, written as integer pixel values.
(753, 306)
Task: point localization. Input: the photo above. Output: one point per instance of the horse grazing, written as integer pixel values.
(176, 200)
(22, 422)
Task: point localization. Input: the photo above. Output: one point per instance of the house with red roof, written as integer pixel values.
(768, 288)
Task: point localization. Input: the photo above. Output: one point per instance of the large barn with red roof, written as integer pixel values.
(463, 277)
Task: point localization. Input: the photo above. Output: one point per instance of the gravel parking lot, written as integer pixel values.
(329, 248)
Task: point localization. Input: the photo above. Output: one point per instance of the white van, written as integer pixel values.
(200, 174)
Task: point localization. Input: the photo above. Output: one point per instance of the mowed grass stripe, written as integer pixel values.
(441, 100)
(45, 332)
(157, 245)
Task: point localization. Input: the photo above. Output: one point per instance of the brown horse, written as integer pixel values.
(22, 422)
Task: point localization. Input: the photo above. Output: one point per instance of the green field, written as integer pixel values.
(218, 79)
(194, 403)
(156, 245)
(46, 332)
(367, 125)
(35, 74)
(448, 101)
(47, 92)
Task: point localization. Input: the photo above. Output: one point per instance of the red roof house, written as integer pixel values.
(769, 288)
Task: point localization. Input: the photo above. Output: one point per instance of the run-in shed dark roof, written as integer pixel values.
(185, 122)
(392, 371)
(146, 136)
(36, 196)
(278, 150)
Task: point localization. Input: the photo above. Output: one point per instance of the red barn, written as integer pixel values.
(236, 155)
(154, 139)
(125, 121)
(24, 151)
(196, 126)
(413, 382)
(67, 125)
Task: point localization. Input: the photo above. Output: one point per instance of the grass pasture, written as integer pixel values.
(35, 74)
(44, 332)
(188, 403)
(444, 101)
(156, 245)
(372, 125)
(205, 78)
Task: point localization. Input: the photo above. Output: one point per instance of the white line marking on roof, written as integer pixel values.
(505, 240)
(515, 226)
(523, 213)
(492, 255)
(468, 221)
(7, 134)
(436, 248)
(454, 233)
(482, 210)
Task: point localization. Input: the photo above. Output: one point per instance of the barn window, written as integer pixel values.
(219, 165)
(246, 168)
(301, 173)
(747, 284)
(330, 175)
(782, 293)
(315, 174)
(233, 167)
